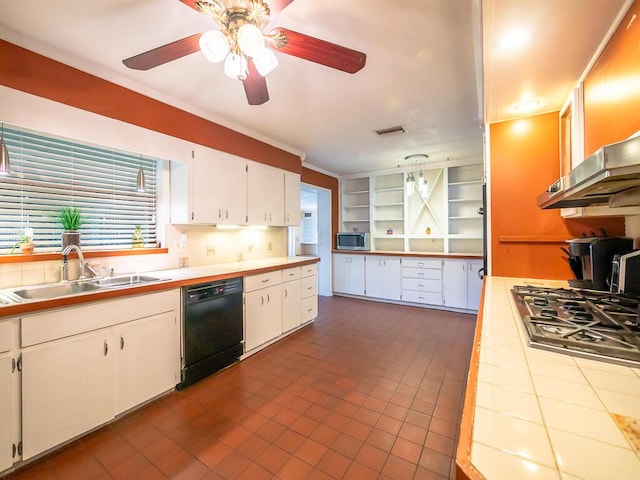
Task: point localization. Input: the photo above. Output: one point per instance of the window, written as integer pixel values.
(49, 172)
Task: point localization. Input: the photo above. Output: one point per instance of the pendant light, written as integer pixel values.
(410, 180)
(4, 155)
(140, 184)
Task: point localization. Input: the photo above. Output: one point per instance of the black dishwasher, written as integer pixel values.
(212, 329)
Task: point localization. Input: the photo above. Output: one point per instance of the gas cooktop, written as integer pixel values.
(585, 323)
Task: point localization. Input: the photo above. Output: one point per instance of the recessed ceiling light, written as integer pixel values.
(527, 106)
(513, 39)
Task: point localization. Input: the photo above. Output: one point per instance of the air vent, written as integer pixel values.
(390, 131)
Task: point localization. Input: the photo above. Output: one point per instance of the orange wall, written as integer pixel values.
(38, 75)
(524, 162)
(313, 177)
(612, 87)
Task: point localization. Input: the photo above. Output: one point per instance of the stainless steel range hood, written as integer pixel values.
(611, 176)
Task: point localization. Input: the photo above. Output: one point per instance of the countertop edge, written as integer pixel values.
(35, 306)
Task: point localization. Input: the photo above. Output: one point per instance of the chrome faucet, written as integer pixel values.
(82, 266)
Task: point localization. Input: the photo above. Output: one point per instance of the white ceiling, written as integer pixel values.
(425, 67)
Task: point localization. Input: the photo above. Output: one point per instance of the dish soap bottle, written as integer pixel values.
(137, 240)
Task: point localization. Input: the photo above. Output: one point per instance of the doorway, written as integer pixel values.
(315, 232)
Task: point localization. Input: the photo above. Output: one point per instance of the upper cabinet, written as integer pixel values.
(266, 195)
(217, 188)
(434, 210)
(210, 189)
(291, 198)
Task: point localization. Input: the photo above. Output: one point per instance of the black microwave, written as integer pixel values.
(353, 241)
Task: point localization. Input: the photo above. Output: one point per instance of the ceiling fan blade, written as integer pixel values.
(275, 5)
(164, 54)
(320, 51)
(255, 86)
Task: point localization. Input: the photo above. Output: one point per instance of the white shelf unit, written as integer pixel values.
(388, 213)
(441, 219)
(464, 201)
(355, 205)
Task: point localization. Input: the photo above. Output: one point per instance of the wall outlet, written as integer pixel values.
(183, 262)
(182, 240)
(240, 256)
(211, 249)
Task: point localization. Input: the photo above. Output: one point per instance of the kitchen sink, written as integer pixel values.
(43, 292)
(65, 289)
(124, 280)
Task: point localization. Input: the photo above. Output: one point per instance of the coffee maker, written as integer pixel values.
(594, 257)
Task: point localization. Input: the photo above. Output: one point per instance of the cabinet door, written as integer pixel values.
(291, 305)
(67, 389)
(454, 282)
(291, 198)
(474, 284)
(266, 195)
(341, 273)
(8, 409)
(263, 316)
(146, 359)
(219, 189)
(356, 274)
(374, 276)
(392, 278)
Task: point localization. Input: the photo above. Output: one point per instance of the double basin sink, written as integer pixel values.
(65, 289)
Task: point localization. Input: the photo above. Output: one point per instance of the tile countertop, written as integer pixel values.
(175, 278)
(534, 414)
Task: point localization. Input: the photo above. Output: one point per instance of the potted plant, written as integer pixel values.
(71, 220)
(26, 242)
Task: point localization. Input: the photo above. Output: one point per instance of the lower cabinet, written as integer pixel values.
(309, 293)
(383, 277)
(9, 394)
(81, 366)
(262, 308)
(462, 283)
(291, 299)
(348, 274)
(422, 280)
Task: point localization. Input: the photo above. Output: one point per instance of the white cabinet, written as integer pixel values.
(145, 359)
(383, 277)
(67, 389)
(262, 308)
(462, 283)
(309, 293)
(422, 280)
(266, 195)
(210, 189)
(291, 198)
(291, 299)
(348, 274)
(9, 394)
(83, 365)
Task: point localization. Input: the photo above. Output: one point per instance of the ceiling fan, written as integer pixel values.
(244, 48)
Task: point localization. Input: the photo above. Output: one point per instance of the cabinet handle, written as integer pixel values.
(287, 217)
(192, 215)
(421, 286)
(420, 264)
(265, 216)
(121, 342)
(286, 293)
(19, 363)
(106, 348)
(268, 298)
(310, 310)
(421, 274)
(261, 299)
(309, 288)
(226, 214)
(266, 280)
(270, 217)
(219, 213)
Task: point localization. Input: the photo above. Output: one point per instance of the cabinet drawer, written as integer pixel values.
(290, 274)
(309, 286)
(431, 298)
(435, 274)
(309, 309)
(422, 285)
(256, 282)
(310, 270)
(422, 262)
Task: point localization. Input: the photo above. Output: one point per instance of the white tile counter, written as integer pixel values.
(543, 415)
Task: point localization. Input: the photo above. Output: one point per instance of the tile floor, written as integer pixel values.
(370, 390)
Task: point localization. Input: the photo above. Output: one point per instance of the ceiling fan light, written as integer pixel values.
(235, 66)
(250, 39)
(265, 61)
(214, 45)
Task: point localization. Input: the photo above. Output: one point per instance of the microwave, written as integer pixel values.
(353, 241)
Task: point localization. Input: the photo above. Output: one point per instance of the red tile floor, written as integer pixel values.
(370, 390)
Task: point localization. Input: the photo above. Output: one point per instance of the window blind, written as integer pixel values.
(49, 172)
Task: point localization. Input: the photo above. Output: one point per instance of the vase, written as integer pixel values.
(70, 237)
(137, 239)
(27, 247)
